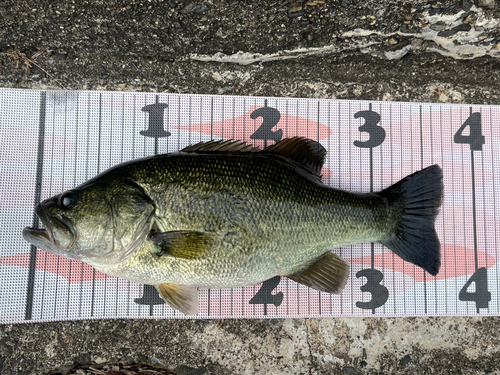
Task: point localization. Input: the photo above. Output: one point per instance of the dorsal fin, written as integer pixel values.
(221, 146)
(307, 153)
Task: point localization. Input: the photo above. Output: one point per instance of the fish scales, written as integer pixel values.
(268, 218)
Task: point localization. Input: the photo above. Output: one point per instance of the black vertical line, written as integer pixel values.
(296, 117)
(319, 293)
(98, 169)
(121, 161)
(422, 167)
(133, 157)
(286, 119)
(108, 166)
(179, 123)
(307, 135)
(189, 119)
(51, 169)
(242, 301)
(339, 121)
(157, 100)
(318, 121)
(62, 185)
(400, 176)
(222, 117)
(413, 267)
(144, 153)
(74, 184)
(298, 299)
(211, 138)
(167, 141)
(453, 215)
(234, 125)
(484, 208)
(432, 163)
(212, 118)
(474, 221)
(123, 128)
(144, 139)
(244, 118)
(86, 177)
(38, 192)
(464, 231)
(349, 113)
(392, 181)
(372, 245)
(381, 160)
(444, 224)
(265, 145)
(494, 201)
(200, 120)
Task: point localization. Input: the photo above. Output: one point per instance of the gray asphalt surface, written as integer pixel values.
(429, 51)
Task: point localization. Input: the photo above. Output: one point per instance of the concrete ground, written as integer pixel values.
(401, 50)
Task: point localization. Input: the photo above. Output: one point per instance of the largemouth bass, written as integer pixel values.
(225, 214)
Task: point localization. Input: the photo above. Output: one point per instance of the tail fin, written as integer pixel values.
(415, 202)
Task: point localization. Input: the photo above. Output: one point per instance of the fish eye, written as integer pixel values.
(67, 200)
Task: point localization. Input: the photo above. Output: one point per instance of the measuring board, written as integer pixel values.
(51, 141)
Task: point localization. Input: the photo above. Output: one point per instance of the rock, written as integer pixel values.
(194, 8)
(438, 26)
(351, 370)
(456, 29)
(296, 14)
(486, 3)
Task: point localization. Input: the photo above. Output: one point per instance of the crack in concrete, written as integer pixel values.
(459, 45)
(246, 58)
(309, 346)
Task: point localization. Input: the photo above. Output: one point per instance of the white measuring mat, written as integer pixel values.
(51, 141)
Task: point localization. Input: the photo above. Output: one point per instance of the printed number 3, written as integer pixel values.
(376, 132)
(379, 292)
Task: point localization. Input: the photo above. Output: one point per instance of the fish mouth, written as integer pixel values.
(46, 238)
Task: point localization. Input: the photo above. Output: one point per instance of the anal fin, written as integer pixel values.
(181, 297)
(329, 273)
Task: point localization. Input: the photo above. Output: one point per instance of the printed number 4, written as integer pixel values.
(265, 296)
(475, 139)
(480, 296)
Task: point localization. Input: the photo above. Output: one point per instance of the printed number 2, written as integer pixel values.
(270, 118)
(480, 296)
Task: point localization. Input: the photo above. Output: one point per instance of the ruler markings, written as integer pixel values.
(494, 201)
(38, 188)
(480, 222)
(422, 167)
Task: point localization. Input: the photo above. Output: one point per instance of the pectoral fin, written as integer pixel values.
(181, 297)
(181, 244)
(328, 273)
